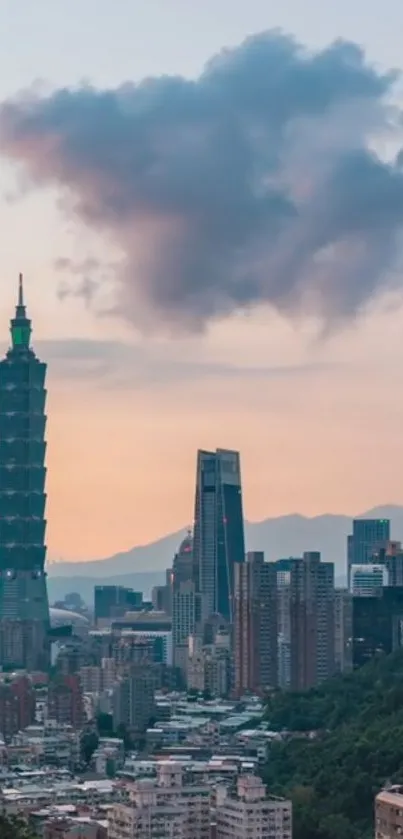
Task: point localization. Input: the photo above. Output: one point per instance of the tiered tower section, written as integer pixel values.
(24, 608)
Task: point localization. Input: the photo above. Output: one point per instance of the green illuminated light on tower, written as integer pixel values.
(20, 325)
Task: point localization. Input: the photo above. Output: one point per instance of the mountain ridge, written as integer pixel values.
(280, 535)
(143, 567)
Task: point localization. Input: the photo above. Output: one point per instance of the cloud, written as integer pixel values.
(86, 270)
(115, 364)
(255, 183)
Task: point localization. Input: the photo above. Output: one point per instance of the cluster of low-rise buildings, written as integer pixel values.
(197, 777)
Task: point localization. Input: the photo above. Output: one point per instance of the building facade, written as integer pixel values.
(367, 580)
(255, 625)
(111, 602)
(165, 808)
(312, 633)
(186, 613)
(24, 608)
(367, 538)
(251, 814)
(377, 624)
(389, 813)
(218, 542)
(343, 630)
(133, 699)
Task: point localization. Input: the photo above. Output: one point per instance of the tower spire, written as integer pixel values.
(20, 290)
(20, 324)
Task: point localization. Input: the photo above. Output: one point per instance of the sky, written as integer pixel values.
(149, 360)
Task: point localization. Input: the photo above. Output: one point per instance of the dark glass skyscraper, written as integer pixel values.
(218, 541)
(24, 608)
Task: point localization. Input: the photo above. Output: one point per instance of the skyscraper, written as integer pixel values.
(255, 625)
(24, 609)
(218, 542)
(377, 624)
(368, 536)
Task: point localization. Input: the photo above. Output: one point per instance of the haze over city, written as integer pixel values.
(292, 351)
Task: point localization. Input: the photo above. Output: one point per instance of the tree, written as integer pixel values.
(14, 828)
(105, 725)
(88, 744)
(333, 776)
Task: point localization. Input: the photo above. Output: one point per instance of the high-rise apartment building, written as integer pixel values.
(368, 536)
(186, 614)
(17, 705)
(283, 572)
(65, 701)
(312, 633)
(255, 625)
(133, 699)
(343, 630)
(24, 608)
(251, 814)
(218, 529)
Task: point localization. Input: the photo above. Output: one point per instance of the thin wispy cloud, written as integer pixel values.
(114, 364)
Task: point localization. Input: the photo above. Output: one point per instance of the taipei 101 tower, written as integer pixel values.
(24, 608)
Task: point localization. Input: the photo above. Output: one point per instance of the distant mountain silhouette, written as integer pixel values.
(142, 567)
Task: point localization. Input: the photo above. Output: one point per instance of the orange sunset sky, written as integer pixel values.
(318, 420)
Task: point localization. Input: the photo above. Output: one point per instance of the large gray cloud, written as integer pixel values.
(257, 182)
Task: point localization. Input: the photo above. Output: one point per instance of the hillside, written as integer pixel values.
(333, 779)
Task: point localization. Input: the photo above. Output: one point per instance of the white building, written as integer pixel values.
(165, 807)
(367, 580)
(251, 814)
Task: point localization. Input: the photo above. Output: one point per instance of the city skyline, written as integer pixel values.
(303, 410)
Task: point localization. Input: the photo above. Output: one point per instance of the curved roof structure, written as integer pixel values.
(62, 617)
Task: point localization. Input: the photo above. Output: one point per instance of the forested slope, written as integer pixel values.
(334, 777)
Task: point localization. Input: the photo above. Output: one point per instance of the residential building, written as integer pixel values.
(251, 814)
(389, 813)
(167, 807)
(65, 701)
(255, 625)
(283, 574)
(343, 630)
(209, 665)
(186, 613)
(312, 636)
(133, 699)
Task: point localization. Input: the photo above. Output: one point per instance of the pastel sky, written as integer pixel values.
(318, 419)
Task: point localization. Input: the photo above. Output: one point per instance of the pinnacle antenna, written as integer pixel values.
(20, 290)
